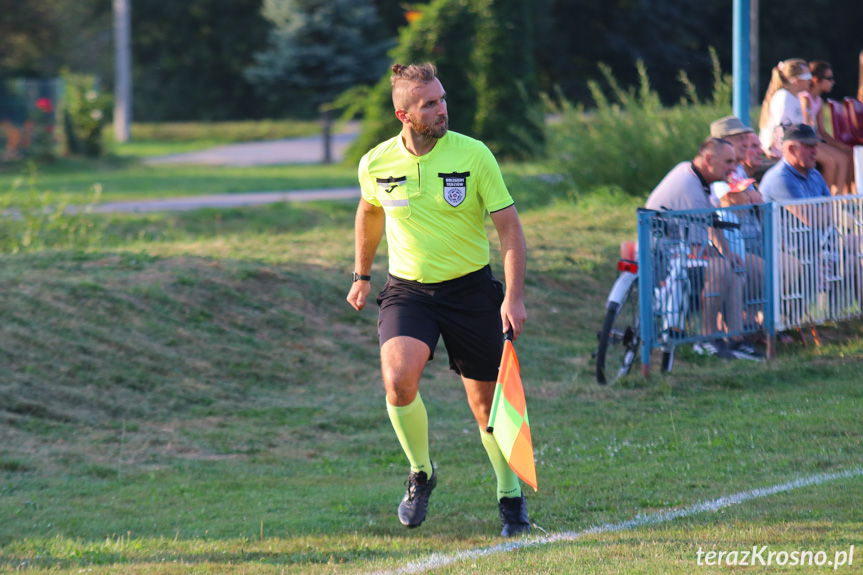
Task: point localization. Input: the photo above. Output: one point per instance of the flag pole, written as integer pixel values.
(498, 388)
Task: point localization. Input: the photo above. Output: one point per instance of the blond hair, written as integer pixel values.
(403, 76)
(781, 77)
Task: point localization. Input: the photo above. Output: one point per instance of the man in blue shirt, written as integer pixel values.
(795, 177)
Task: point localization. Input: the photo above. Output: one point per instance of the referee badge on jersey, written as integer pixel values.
(454, 187)
(389, 184)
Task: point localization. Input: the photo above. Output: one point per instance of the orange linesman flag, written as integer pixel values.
(508, 421)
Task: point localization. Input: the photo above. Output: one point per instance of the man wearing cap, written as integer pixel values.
(746, 242)
(732, 129)
(741, 191)
(796, 177)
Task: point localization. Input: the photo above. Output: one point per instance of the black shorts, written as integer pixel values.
(464, 311)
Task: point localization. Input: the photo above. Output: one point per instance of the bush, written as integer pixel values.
(87, 112)
(34, 219)
(444, 34)
(631, 141)
(481, 49)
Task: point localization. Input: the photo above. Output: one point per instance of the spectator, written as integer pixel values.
(754, 164)
(781, 106)
(687, 187)
(796, 177)
(745, 242)
(735, 131)
(835, 159)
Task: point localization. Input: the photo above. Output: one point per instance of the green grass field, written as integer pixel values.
(194, 395)
(156, 139)
(121, 180)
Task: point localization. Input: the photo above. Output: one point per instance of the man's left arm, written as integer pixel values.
(513, 250)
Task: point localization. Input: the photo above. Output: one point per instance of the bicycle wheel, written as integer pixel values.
(619, 339)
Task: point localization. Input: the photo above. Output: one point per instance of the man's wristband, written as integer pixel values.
(355, 277)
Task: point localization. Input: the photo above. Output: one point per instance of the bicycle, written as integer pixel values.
(620, 336)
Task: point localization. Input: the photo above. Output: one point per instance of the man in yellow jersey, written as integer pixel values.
(430, 189)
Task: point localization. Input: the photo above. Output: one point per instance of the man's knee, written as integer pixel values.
(402, 362)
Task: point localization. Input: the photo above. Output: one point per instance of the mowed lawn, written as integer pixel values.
(193, 394)
(132, 180)
(123, 174)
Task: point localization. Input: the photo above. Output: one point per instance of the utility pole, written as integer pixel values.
(122, 71)
(754, 92)
(740, 65)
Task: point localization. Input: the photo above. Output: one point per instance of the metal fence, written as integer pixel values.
(28, 117)
(794, 264)
(818, 272)
(691, 292)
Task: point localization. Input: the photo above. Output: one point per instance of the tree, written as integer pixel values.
(506, 115)
(574, 36)
(188, 59)
(39, 38)
(392, 14)
(483, 50)
(318, 49)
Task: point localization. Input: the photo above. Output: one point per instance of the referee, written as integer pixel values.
(430, 188)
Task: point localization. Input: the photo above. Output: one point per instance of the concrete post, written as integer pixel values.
(122, 71)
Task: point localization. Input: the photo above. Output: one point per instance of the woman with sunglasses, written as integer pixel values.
(834, 158)
(781, 106)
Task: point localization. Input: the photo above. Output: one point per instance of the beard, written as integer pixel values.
(427, 130)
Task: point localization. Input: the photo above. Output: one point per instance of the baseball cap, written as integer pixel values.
(801, 133)
(728, 126)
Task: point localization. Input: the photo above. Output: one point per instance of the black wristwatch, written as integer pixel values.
(355, 277)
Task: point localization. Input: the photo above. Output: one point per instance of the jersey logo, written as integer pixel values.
(389, 184)
(454, 187)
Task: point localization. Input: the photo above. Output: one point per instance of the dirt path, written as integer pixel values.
(288, 151)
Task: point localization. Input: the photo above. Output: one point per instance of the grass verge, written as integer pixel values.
(134, 181)
(160, 138)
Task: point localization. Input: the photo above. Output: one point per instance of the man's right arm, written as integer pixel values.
(368, 231)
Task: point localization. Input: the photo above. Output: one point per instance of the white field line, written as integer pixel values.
(437, 560)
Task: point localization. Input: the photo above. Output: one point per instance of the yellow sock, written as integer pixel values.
(508, 484)
(411, 425)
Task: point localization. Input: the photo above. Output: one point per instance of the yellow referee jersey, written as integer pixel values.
(435, 205)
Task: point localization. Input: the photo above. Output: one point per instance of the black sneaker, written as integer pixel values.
(715, 347)
(513, 516)
(414, 505)
(743, 349)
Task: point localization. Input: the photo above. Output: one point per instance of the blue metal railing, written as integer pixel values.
(819, 271)
(798, 263)
(702, 275)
